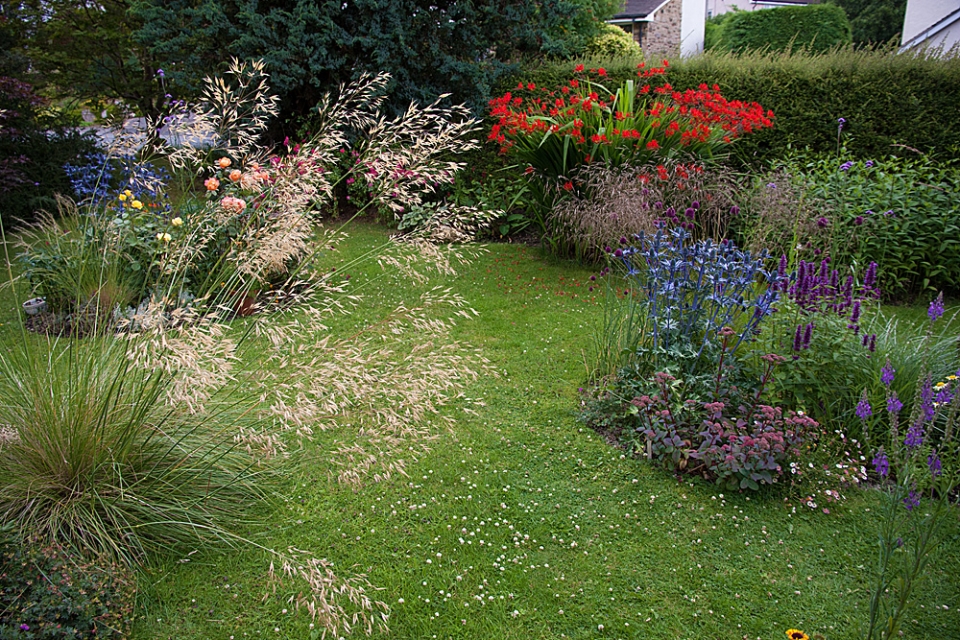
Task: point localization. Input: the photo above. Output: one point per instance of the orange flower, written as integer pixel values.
(224, 162)
(212, 184)
(235, 175)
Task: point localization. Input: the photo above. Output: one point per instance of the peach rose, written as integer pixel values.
(235, 175)
(224, 162)
(212, 184)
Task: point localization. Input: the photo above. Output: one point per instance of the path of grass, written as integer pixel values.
(522, 524)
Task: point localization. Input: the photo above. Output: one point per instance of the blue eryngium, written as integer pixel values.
(693, 289)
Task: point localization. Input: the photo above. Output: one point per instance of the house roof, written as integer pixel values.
(636, 9)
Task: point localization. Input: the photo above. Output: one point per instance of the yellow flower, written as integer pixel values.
(136, 204)
(128, 193)
(796, 634)
(164, 237)
(177, 222)
(122, 197)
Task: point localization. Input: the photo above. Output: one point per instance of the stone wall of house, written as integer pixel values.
(661, 37)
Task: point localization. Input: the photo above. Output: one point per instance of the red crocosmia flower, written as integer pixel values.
(574, 83)
(531, 86)
(588, 158)
(578, 68)
(595, 139)
(653, 145)
(568, 186)
(602, 72)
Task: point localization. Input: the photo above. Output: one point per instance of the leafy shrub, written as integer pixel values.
(33, 149)
(611, 42)
(815, 27)
(47, 591)
(887, 98)
(707, 424)
(900, 213)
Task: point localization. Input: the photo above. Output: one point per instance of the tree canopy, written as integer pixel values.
(429, 47)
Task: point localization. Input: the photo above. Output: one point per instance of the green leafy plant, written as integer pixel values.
(49, 591)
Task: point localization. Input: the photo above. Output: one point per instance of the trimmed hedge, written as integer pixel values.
(816, 28)
(887, 99)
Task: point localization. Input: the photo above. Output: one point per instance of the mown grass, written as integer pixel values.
(521, 523)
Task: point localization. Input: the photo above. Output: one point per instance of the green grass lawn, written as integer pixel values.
(522, 523)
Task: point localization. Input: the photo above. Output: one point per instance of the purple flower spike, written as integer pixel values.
(798, 338)
(933, 463)
(870, 277)
(926, 400)
(911, 501)
(807, 334)
(893, 404)
(886, 374)
(936, 308)
(914, 436)
(863, 407)
(881, 463)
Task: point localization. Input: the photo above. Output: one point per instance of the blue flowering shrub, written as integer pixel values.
(687, 394)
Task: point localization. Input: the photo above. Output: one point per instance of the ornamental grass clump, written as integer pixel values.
(165, 425)
(919, 472)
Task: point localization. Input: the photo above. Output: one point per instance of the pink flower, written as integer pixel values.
(236, 205)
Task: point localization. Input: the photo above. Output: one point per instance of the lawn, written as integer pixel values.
(521, 523)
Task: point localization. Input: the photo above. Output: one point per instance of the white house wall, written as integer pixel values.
(692, 27)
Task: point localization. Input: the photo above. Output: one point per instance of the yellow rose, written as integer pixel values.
(136, 204)
(122, 197)
(177, 222)
(128, 193)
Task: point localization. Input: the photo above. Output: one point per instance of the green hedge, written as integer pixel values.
(816, 28)
(887, 99)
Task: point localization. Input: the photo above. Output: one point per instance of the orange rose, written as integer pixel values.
(235, 175)
(212, 184)
(224, 162)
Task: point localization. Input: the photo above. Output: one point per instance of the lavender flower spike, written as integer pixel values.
(881, 463)
(911, 501)
(936, 308)
(863, 407)
(914, 436)
(886, 374)
(933, 463)
(893, 404)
